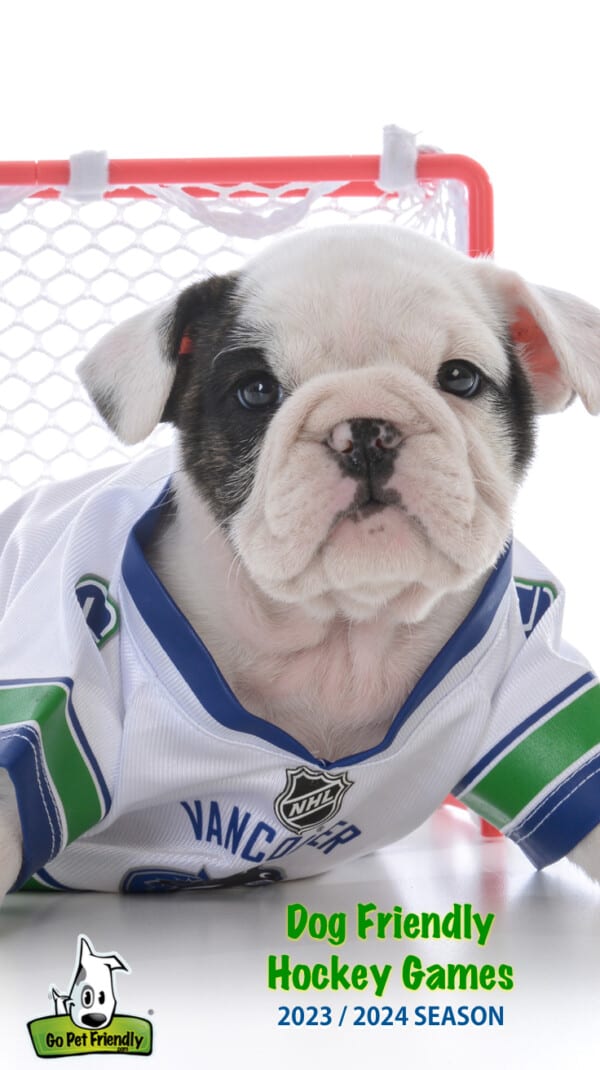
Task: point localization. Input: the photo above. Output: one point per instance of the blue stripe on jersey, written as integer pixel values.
(464, 640)
(83, 743)
(184, 647)
(195, 664)
(21, 752)
(563, 818)
(520, 730)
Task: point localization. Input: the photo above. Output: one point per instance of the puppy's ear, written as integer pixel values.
(129, 374)
(557, 337)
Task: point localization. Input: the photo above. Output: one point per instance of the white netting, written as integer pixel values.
(69, 271)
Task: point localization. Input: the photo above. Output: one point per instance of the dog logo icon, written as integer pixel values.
(91, 1001)
(84, 1020)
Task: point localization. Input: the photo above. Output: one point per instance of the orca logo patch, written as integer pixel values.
(310, 797)
(100, 612)
(535, 598)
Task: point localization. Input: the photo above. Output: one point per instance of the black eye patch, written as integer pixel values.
(219, 435)
(514, 403)
(222, 418)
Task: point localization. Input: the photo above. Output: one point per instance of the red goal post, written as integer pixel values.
(357, 177)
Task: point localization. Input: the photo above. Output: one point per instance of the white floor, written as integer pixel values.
(199, 964)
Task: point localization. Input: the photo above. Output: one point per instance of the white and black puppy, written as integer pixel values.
(355, 411)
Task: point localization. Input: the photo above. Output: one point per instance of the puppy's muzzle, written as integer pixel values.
(365, 448)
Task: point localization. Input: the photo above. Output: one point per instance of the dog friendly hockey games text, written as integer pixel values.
(461, 922)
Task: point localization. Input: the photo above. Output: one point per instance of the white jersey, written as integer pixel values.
(136, 768)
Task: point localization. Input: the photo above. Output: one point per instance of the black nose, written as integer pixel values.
(93, 1020)
(364, 447)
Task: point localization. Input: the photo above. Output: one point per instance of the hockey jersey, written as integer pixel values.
(136, 768)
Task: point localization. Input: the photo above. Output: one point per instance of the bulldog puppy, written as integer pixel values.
(355, 411)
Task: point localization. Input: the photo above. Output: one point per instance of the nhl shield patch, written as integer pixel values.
(310, 797)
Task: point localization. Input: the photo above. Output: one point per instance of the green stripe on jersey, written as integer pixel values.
(533, 763)
(46, 705)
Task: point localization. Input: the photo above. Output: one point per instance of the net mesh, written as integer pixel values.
(70, 270)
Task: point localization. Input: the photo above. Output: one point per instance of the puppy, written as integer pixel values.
(280, 645)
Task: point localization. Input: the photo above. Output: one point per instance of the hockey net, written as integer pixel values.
(74, 262)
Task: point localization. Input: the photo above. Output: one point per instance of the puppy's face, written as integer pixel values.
(355, 408)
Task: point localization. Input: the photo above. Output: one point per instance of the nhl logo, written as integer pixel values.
(310, 798)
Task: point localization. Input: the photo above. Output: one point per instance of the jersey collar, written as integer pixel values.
(195, 664)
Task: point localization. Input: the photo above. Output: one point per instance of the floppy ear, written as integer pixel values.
(130, 373)
(557, 337)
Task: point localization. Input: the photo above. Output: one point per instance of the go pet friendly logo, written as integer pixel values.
(84, 1021)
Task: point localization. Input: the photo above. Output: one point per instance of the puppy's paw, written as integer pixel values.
(10, 835)
(587, 854)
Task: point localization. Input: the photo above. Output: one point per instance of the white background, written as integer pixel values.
(513, 84)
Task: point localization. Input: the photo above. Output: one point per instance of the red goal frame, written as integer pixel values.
(357, 175)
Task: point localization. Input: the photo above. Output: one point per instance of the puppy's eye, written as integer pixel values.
(87, 996)
(261, 392)
(460, 378)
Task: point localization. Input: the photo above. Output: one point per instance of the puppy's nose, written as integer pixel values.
(363, 444)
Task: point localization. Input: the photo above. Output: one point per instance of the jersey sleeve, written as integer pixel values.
(537, 777)
(60, 788)
(60, 710)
